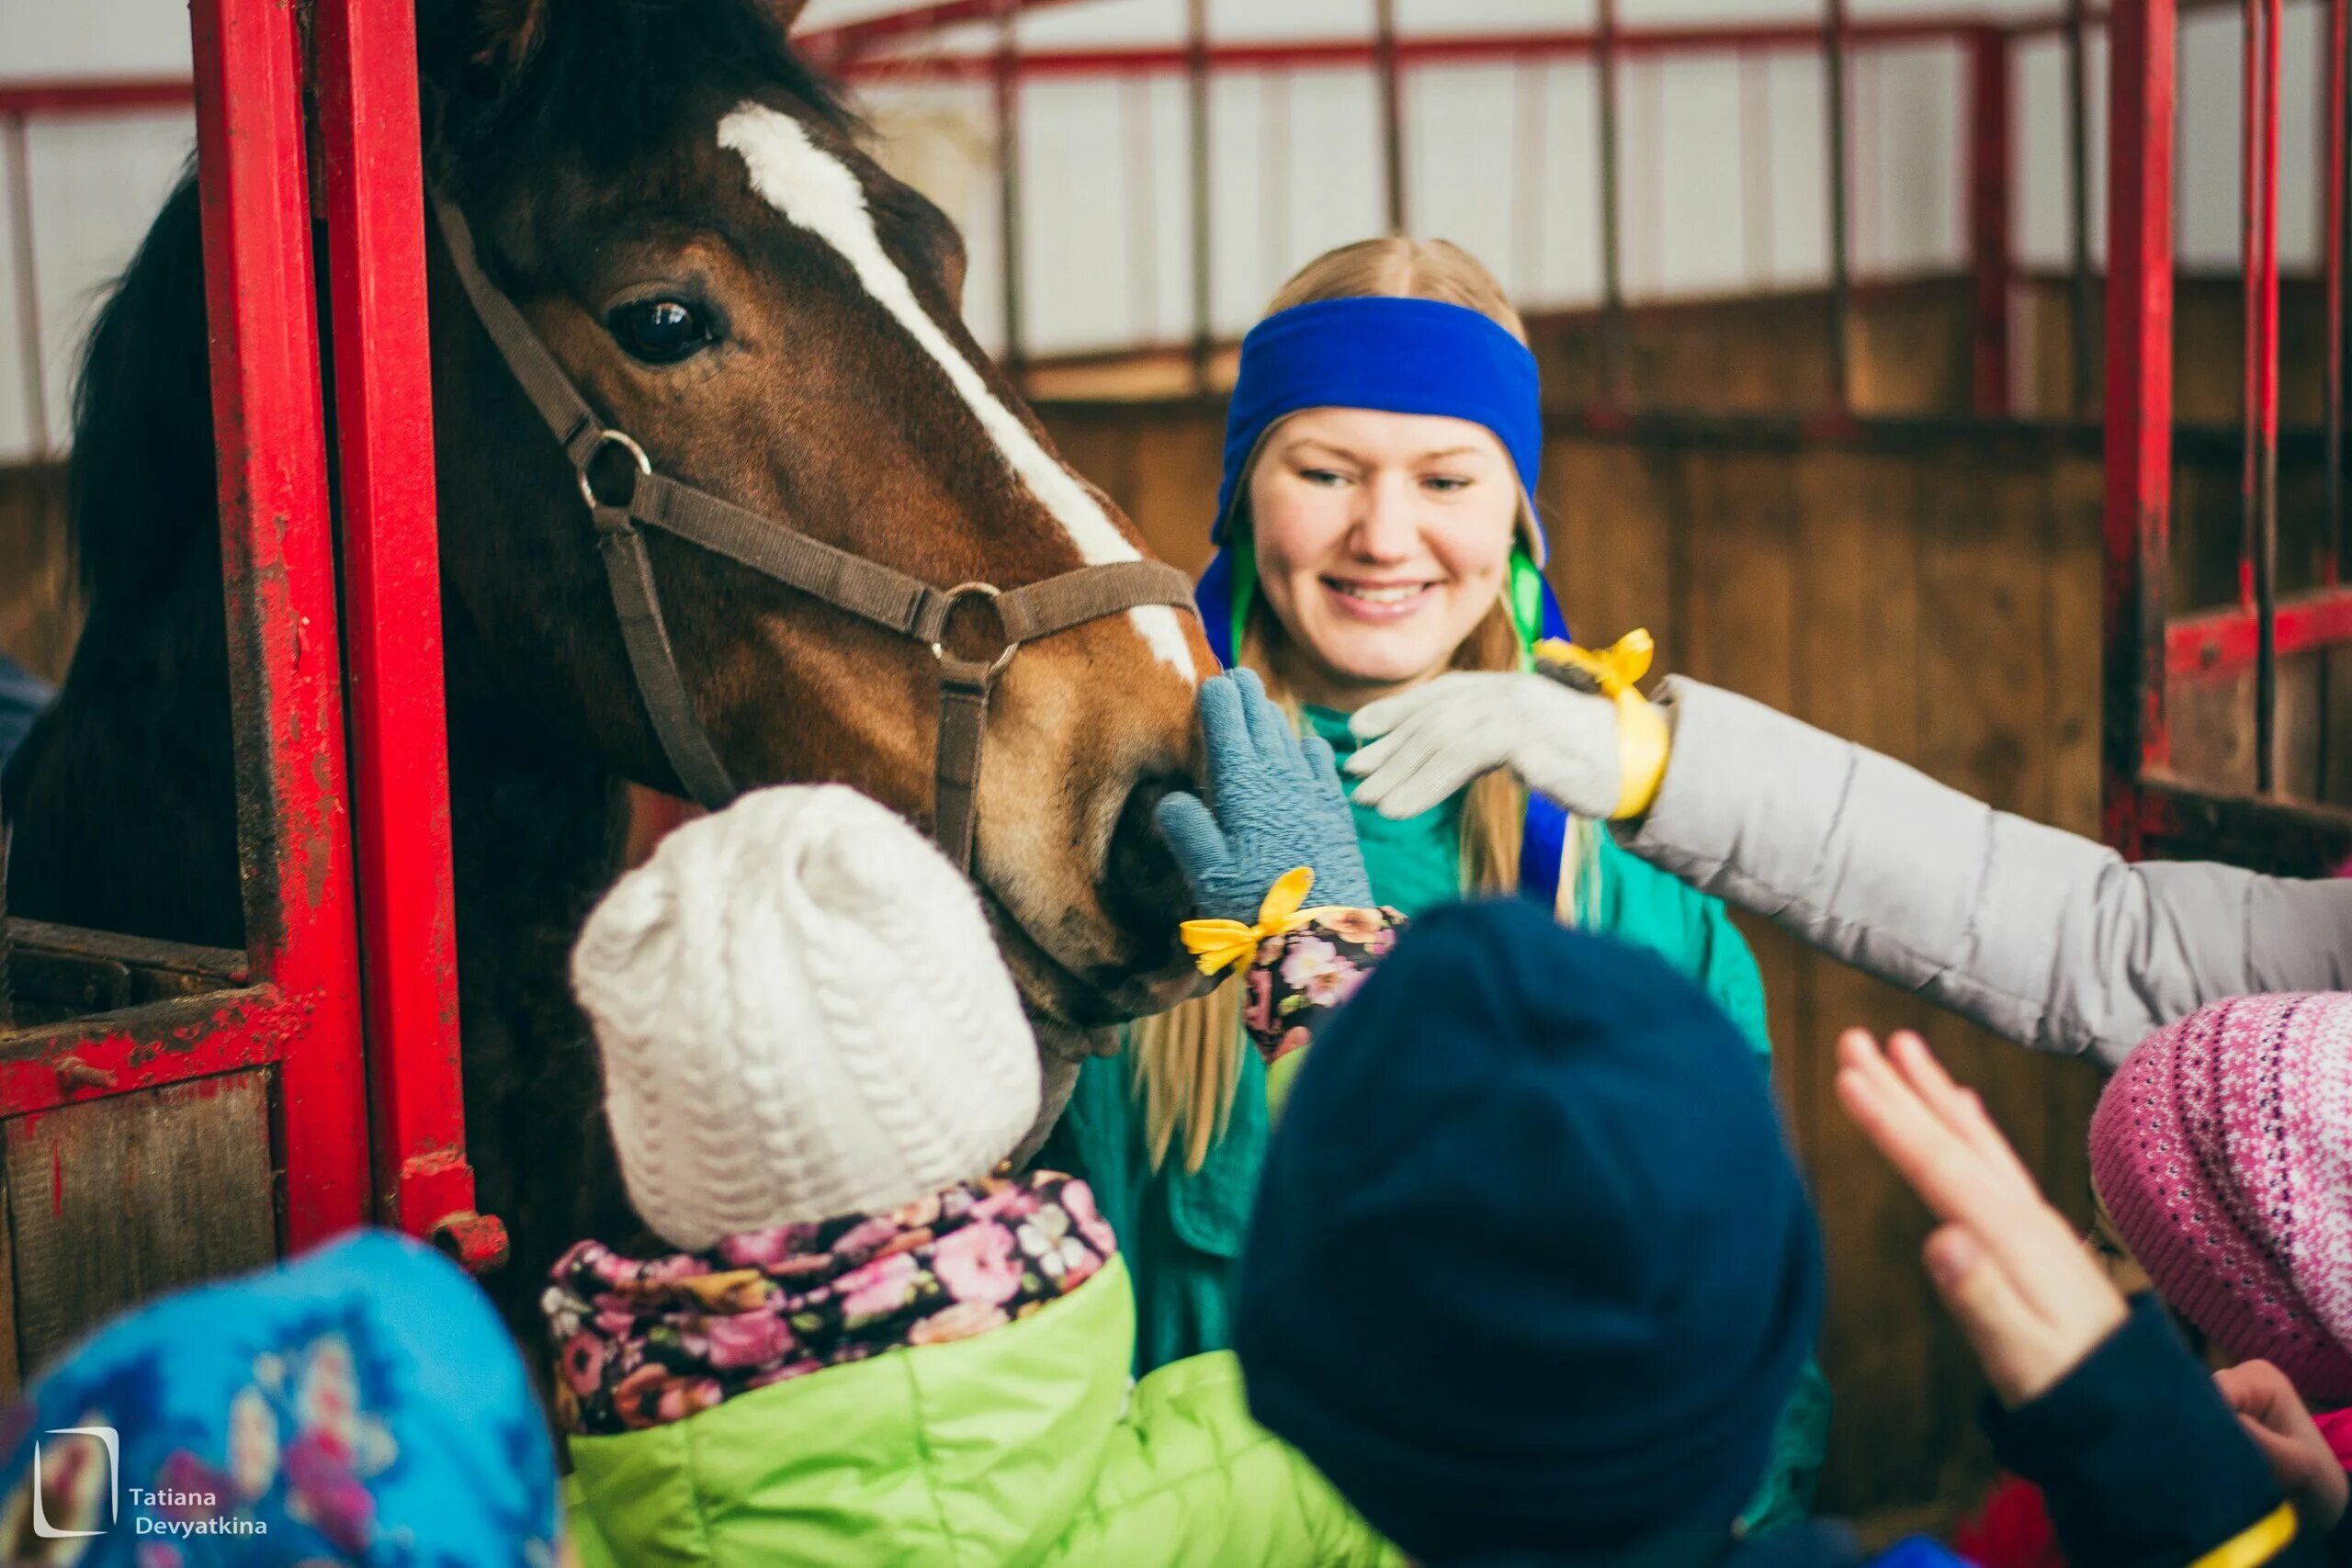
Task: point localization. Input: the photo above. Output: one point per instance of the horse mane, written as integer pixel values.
(600, 82)
(141, 469)
(595, 81)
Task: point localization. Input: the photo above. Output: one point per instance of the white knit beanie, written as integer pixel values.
(803, 1016)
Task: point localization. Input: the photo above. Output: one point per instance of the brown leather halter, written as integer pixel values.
(887, 597)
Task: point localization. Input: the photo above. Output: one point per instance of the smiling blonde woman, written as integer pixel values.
(1376, 529)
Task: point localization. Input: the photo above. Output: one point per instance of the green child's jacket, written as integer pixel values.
(1023, 1445)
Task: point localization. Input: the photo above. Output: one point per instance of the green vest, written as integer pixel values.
(1181, 1231)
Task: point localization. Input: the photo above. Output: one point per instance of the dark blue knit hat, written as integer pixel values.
(1531, 1266)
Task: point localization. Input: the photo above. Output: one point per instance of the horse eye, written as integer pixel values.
(659, 331)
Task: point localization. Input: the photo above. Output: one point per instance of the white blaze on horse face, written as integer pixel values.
(818, 192)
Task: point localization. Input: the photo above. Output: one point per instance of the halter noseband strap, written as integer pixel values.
(874, 592)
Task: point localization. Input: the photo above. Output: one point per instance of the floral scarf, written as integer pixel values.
(1300, 979)
(644, 1341)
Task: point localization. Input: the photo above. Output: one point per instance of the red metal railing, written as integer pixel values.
(861, 54)
(2147, 808)
(382, 363)
(293, 827)
(349, 989)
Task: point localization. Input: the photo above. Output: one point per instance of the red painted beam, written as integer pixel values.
(278, 558)
(2137, 527)
(2223, 642)
(1991, 129)
(381, 353)
(1460, 49)
(852, 50)
(68, 99)
(149, 1047)
(833, 48)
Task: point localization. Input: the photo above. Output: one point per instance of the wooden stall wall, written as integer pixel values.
(39, 609)
(1936, 598)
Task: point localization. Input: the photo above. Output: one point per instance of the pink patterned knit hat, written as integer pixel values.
(2223, 1148)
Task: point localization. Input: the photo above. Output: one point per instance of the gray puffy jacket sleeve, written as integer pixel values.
(2045, 938)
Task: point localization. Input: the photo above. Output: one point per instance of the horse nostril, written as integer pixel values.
(1143, 890)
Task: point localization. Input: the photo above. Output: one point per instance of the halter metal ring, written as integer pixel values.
(610, 438)
(990, 591)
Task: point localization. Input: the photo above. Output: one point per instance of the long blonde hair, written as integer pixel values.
(1186, 1061)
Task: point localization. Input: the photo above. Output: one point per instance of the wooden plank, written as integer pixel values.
(116, 1200)
(2077, 498)
(40, 604)
(1984, 678)
(1172, 479)
(2211, 721)
(1859, 526)
(1609, 510)
(1735, 520)
(1099, 444)
(11, 1360)
(2337, 735)
(2071, 1090)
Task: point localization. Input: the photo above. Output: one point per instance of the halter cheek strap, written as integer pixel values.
(879, 595)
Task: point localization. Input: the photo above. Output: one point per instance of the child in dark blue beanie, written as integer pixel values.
(1578, 1293)
(1531, 1273)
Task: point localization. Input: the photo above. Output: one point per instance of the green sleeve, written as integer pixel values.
(1189, 1478)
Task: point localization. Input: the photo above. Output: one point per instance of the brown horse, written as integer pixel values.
(685, 218)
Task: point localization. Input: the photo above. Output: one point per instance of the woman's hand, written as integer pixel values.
(1429, 742)
(2274, 1416)
(1279, 805)
(2010, 1269)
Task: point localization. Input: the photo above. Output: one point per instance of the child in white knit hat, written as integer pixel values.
(872, 1344)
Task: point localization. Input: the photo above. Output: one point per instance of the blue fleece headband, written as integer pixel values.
(1397, 356)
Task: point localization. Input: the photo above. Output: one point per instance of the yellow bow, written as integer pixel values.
(1642, 739)
(1615, 668)
(1220, 944)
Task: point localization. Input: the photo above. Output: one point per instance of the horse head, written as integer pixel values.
(685, 218)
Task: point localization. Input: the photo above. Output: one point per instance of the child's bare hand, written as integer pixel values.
(2301, 1462)
(2008, 1266)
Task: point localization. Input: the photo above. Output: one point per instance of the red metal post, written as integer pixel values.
(1274, 176)
(2140, 100)
(284, 664)
(2332, 116)
(1991, 126)
(2333, 111)
(1143, 208)
(2259, 561)
(1531, 91)
(1392, 111)
(2084, 380)
(1196, 108)
(381, 353)
(1755, 205)
(1833, 46)
(1614, 392)
(1008, 178)
(20, 229)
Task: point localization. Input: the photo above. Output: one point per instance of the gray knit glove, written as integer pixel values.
(1279, 805)
(1429, 742)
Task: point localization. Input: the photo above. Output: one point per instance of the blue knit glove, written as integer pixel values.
(1279, 805)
